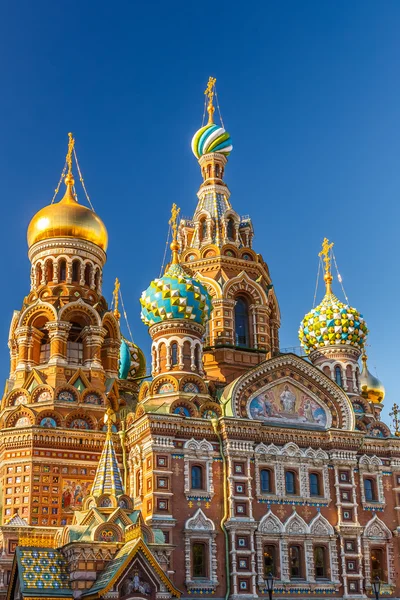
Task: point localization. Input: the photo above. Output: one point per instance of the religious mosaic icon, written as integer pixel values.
(286, 404)
(66, 396)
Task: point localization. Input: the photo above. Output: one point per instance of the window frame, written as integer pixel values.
(318, 484)
(294, 474)
(270, 486)
(300, 559)
(205, 573)
(324, 561)
(202, 477)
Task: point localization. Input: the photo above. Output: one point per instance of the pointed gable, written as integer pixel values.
(116, 571)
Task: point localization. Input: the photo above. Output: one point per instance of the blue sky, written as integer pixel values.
(309, 92)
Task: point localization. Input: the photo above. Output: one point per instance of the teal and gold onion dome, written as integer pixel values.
(211, 137)
(176, 295)
(331, 323)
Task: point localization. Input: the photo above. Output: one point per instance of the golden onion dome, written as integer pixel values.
(371, 387)
(67, 219)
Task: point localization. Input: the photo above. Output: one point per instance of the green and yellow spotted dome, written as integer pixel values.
(176, 295)
(332, 323)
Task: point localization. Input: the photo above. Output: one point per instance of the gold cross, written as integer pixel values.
(117, 285)
(307, 512)
(68, 159)
(209, 92)
(325, 252)
(396, 421)
(174, 220)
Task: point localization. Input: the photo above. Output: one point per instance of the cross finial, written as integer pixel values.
(109, 417)
(396, 421)
(71, 144)
(174, 227)
(117, 285)
(209, 92)
(326, 254)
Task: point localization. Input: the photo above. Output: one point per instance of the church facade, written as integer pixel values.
(231, 463)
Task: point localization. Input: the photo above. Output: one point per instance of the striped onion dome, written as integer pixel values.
(211, 138)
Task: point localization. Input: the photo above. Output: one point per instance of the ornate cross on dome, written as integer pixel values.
(396, 421)
(174, 226)
(68, 159)
(117, 285)
(209, 92)
(326, 254)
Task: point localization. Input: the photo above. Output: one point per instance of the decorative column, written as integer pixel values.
(309, 560)
(58, 334)
(93, 338)
(24, 341)
(111, 355)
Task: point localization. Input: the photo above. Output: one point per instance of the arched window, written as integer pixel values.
(174, 354)
(199, 560)
(62, 270)
(75, 344)
(49, 271)
(241, 323)
(296, 571)
(197, 357)
(76, 271)
(338, 376)
(265, 479)
(269, 561)
(314, 484)
(209, 171)
(216, 170)
(377, 564)
(369, 490)
(230, 229)
(290, 482)
(196, 474)
(319, 562)
(203, 229)
(44, 347)
(88, 274)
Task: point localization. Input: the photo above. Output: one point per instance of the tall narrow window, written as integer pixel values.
(377, 564)
(197, 358)
(174, 354)
(88, 274)
(49, 271)
(338, 376)
(197, 477)
(369, 490)
(314, 484)
(319, 562)
(290, 482)
(203, 229)
(199, 565)
(295, 562)
(265, 477)
(241, 323)
(230, 229)
(76, 271)
(62, 270)
(269, 561)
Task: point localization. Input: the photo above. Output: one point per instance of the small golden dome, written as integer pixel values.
(371, 387)
(67, 218)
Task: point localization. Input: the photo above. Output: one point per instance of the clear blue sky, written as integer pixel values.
(309, 92)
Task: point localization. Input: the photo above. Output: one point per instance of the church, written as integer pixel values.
(227, 464)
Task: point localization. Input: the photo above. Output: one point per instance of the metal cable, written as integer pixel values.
(316, 284)
(339, 277)
(82, 182)
(165, 251)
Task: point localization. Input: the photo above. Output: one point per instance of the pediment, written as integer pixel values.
(288, 391)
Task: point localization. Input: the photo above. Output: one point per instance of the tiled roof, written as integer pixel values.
(42, 572)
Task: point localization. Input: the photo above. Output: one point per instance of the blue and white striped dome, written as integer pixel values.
(211, 138)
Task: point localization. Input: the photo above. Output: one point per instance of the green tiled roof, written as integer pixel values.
(42, 572)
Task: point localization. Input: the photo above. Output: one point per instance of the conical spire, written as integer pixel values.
(108, 476)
